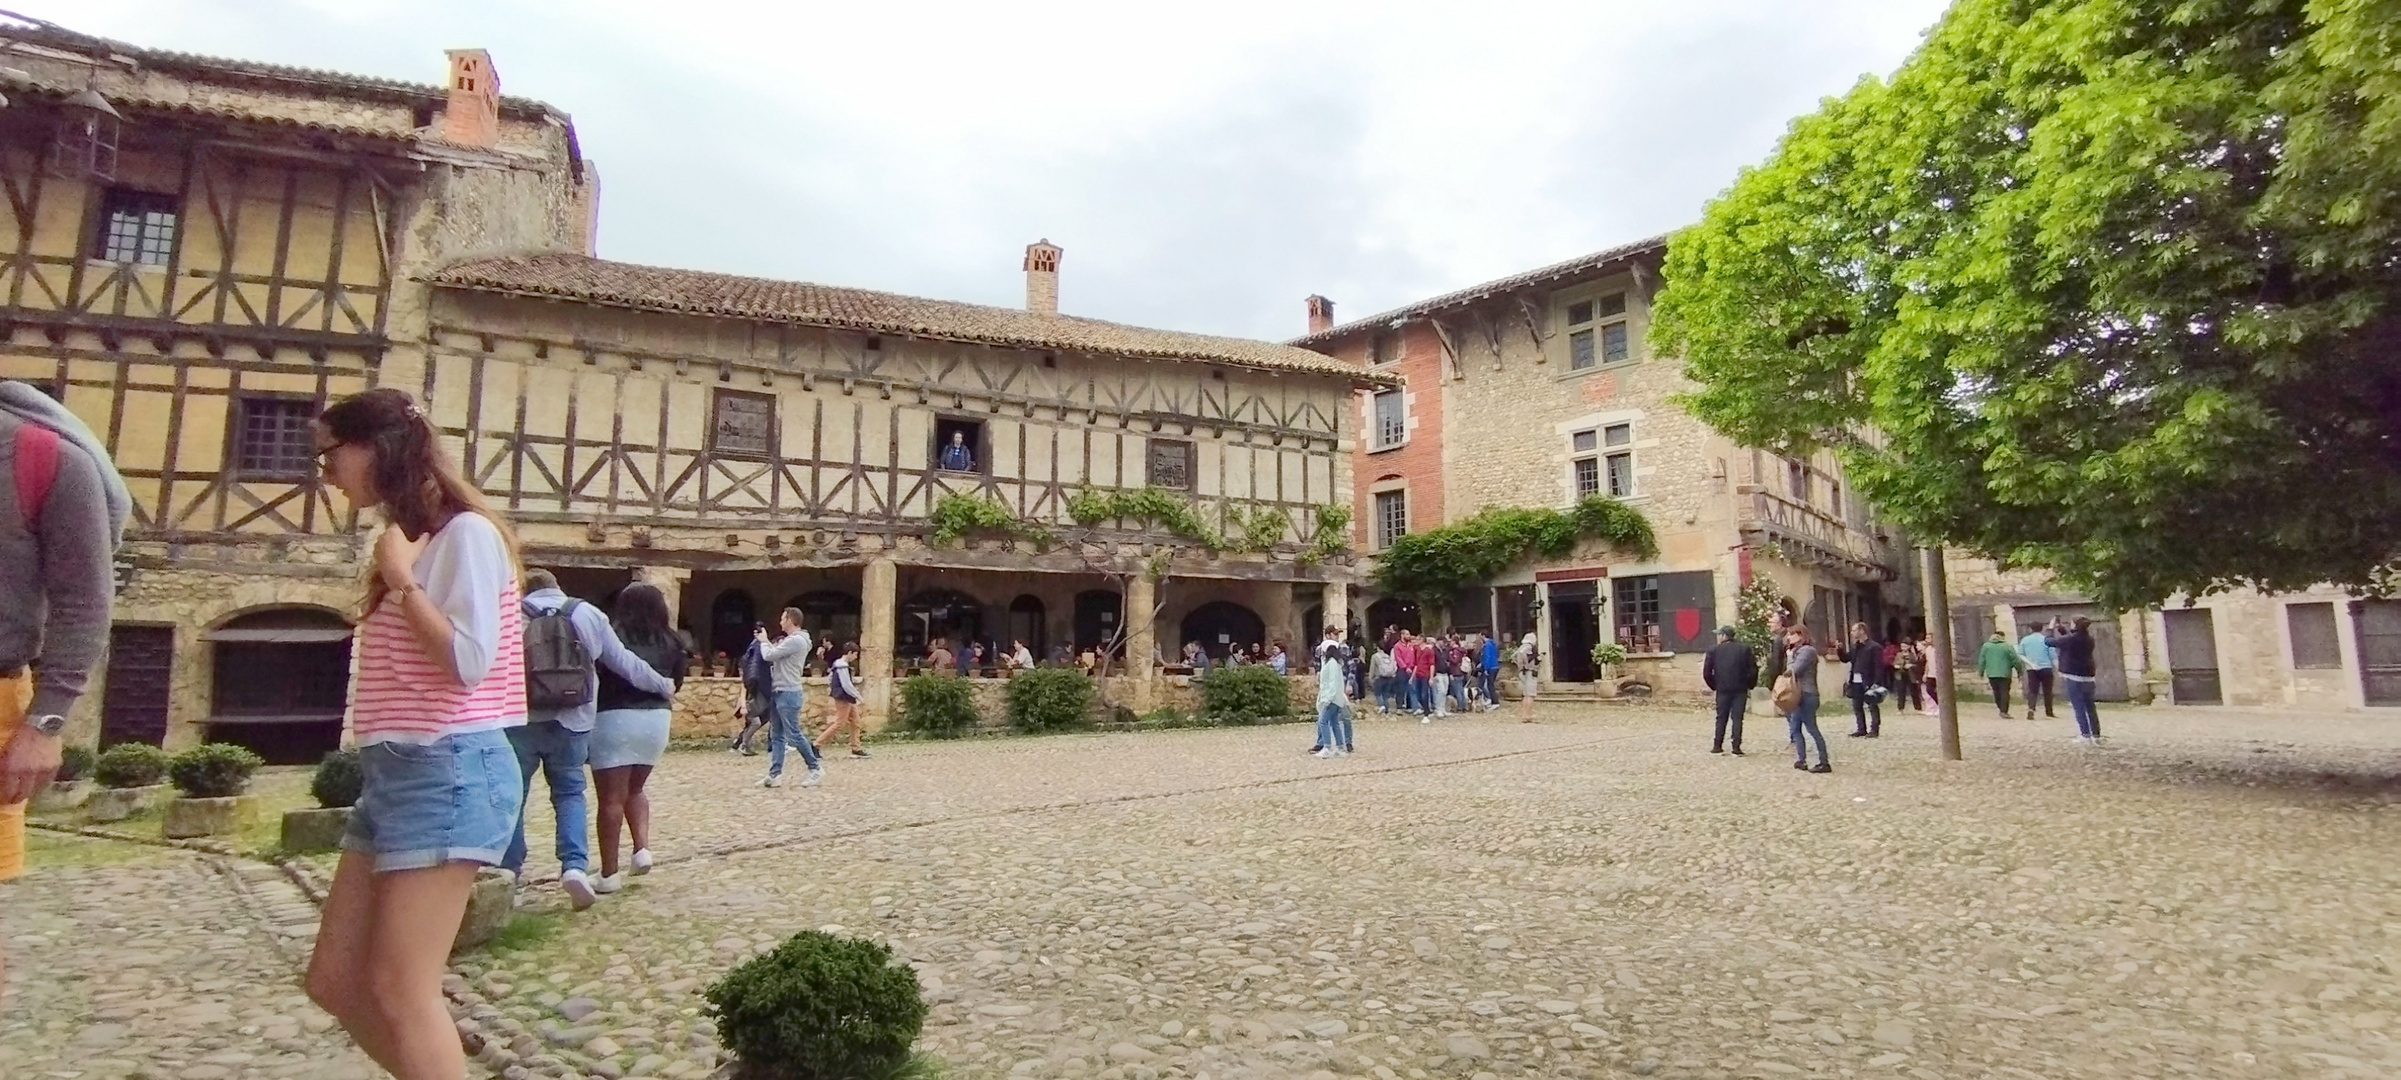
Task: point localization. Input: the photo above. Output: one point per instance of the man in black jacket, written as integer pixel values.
(1731, 670)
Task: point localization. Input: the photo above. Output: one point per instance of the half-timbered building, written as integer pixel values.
(196, 254)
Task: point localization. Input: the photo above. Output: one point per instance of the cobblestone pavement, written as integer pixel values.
(141, 962)
(2212, 895)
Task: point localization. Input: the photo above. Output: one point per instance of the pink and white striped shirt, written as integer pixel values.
(401, 695)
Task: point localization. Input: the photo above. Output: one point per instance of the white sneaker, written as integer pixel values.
(641, 861)
(1322, 753)
(608, 883)
(771, 781)
(815, 777)
(578, 889)
(1424, 719)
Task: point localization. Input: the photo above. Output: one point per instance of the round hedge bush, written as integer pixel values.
(819, 1007)
(1050, 699)
(74, 763)
(1250, 694)
(213, 770)
(339, 780)
(942, 706)
(130, 765)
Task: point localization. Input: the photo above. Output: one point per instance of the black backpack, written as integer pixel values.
(558, 669)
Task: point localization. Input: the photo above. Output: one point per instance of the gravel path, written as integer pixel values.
(2213, 895)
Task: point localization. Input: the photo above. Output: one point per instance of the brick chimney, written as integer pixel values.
(473, 115)
(1042, 278)
(1321, 314)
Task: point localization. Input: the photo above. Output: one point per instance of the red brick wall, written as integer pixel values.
(1419, 459)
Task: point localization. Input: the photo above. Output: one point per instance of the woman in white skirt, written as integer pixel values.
(630, 733)
(1529, 677)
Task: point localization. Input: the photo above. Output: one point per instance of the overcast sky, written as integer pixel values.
(1206, 166)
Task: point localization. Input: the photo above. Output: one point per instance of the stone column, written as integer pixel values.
(1335, 599)
(1141, 596)
(879, 607)
(1283, 621)
(670, 580)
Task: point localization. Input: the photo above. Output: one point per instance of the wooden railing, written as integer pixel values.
(1783, 519)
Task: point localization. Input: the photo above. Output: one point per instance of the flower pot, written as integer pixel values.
(188, 818)
(116, 804)
(314, 829)
(61, 795)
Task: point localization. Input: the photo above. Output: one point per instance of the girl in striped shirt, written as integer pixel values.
(441, 674)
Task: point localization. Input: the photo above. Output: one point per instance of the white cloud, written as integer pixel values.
(1205, 166)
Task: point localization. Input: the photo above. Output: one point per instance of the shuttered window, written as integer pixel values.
(2313, 631)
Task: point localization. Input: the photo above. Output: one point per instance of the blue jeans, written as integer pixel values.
(1421, 693)
(786, 731)
(1384, 694)
(2080, 702)
(561, 755)
(1803, 722)
(1459, 691)
(1334, 726)
(1492, 688)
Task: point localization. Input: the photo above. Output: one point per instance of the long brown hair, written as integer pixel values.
(416, 483)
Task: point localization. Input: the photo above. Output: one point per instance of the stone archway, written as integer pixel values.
(280, 681)
(1221, 625)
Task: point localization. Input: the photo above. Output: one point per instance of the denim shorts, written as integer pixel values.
(455, 799)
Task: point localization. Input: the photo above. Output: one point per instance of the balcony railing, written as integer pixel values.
(1815, 534)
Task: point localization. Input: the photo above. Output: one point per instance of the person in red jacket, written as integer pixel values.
(1421, 679)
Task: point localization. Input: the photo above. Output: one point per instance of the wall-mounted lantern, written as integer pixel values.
(86, 145)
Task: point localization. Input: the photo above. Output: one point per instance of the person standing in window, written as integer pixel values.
(441, 679)
(2076, 669)
(1730, 670)
(1800, 662)
(956, 457)
(2035, 647)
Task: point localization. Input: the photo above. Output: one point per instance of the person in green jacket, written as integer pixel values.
(1999, 661)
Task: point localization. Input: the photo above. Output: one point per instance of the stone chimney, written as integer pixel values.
(473, 115)
(1321, 314)
(587, 207)
(1042, 278)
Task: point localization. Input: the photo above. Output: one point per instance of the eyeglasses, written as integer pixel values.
(324, 456)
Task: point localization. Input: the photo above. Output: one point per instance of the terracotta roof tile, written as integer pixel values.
(651, 288)
(1559, 271)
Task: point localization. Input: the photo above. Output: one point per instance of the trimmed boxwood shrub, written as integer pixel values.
(74, 763)
(213, 770)
(1050, 699)
(130, 765)
(819, 1007)
(339, 780)
(1250, 694)
(942, 706)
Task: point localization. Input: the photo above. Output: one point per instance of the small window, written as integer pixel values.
(1384, 348)
(1798, 476)
(1392, 517)
(743, 424)
(959, 445)
(1614, 347)
(1588, 477)
(1613, 304)
(1587, 440)
(2313, 631)
(137, 227)
(1833, 498)
(1392, 421)
(1638, 614)
(1579, 313)
(1618, 434)
(1579, 350)
(1171, 464)
(1621, 476)
(275, 438)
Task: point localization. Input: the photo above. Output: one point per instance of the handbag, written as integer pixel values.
(1787, 693)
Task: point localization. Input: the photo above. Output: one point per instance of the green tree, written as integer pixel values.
(2107, 286)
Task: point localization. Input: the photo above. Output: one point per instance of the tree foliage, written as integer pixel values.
(2106, 286)
(1432, 565)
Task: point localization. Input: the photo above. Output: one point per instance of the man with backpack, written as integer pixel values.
(62, 511)
(758, 697)
(566, 642)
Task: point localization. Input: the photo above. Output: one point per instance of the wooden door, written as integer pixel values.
(133, 703)
(2193, 657)
(2109, 654)
(2378, 624)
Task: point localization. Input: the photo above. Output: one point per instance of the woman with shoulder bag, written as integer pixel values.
(1798, 685)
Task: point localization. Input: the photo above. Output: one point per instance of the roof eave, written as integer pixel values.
(1598, 263)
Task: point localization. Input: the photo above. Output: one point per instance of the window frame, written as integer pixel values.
(1381, 532)
(1150, 463)
(1609, 474)
(237, 448)
(980, 445)
(1375, 420)
(1591, 463)
(1628, 607)
(1593, 334)
(141, 204)
(717, 447)
(1602, 457)
(2333, 660)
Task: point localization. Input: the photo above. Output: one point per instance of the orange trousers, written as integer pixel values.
(15, 694)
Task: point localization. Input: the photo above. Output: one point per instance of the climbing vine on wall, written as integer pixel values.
(956, 517)
(1333, 534)
(1148, 507)
(1755, 606)
(1433, 565)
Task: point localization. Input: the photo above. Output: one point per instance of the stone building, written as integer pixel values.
(1537, 390)
(2317, 648)
(200, 253)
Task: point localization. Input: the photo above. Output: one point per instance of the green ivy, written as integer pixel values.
(1263, 528)
(1435, 564)
(1608, 654)
(1148, 507)
(1333, 533)
(958, 516)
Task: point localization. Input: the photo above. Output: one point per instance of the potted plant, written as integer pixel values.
(130, 775)
(1605, 657)
(336, 788)
(67, 790)
(212, 777)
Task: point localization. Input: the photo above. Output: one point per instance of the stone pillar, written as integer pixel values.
(1141, 638)
(1283, 620)
(879, 608)
(670, 580)
(1335, 600)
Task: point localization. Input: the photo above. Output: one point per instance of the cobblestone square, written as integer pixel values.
(2214, 894)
